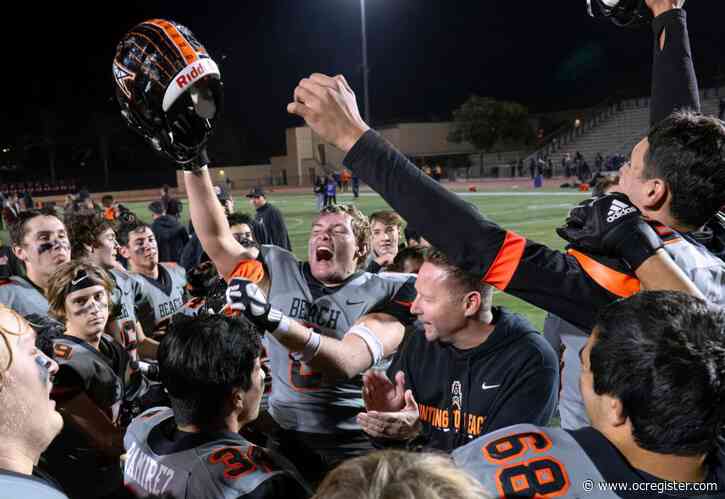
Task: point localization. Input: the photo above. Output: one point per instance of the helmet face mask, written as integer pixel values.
(626, 13)
(169, 89)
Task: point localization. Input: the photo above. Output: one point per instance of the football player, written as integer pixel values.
(163, 284)
(653, 381)
(41, 242)
(96, 385)
(210, 365)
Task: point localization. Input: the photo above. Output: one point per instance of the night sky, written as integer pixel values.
(425, 57)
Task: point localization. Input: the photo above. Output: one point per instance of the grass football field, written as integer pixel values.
(533, 214)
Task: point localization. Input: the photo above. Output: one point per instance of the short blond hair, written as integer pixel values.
(394, 474)
(6, 350)
(62, 277)
(387, 217)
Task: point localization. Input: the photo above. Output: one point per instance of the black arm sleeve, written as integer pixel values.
(674, 83)
(533, 272)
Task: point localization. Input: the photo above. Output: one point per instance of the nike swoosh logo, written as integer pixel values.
(74, 282)
(348, 302)
(488, 387)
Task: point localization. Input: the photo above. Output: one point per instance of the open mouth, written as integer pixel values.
(323, 254)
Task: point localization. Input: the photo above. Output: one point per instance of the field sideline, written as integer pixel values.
(533, 214)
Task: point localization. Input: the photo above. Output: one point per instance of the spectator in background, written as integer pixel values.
(330, 192)
(319, 190)
(110, 210)
(28, 419)
(165, 196)
(270, 218)
(721, 112)
(10, 210)
(402, 475)
(27, 201)
(385, 231)
(438, 172)
(355, 186)
(170, 235)
(345, 178)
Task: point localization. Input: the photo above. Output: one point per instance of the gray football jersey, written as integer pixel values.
(226, 467)
(105, 386)
(127, 296)
(159, 305)
(705, 270)
(301, 399)
(531, 461)
(20, 295)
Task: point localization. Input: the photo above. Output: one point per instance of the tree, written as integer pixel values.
(486, 122)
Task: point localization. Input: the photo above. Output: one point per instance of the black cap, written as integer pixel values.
(256, 192)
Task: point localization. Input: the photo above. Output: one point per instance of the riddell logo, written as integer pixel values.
(618, 209)
(191, 75)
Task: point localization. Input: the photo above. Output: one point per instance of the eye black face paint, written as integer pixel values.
(45, 247)
(57, 244)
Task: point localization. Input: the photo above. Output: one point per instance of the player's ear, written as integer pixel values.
(237, 400)
(20, 253)
(124, 251)
(471, 304)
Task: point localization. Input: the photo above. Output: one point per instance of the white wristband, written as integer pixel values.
(309, 351)
(371, 340)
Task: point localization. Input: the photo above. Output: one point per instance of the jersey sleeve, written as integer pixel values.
(674, 83)
(399, 304)
(546, 278)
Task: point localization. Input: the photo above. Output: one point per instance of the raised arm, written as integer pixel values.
(211, 225)
(674, 83)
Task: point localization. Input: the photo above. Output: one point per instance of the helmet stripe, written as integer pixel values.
(182, 45)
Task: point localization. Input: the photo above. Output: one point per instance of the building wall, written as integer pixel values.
(242, 177)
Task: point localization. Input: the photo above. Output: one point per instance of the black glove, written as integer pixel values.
(245, 296)
(197, 163)
(611, 225)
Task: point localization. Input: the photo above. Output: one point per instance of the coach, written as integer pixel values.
(470, 369)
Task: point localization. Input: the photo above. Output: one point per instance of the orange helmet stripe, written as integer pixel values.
(185, 49)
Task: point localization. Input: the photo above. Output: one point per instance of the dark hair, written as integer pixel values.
(84, 231)
(415, 253)
(18, 228)
(237, 218)
(125, 229)
(107, 200)
(662, 354)
(464, 281)
(687, 150)
(201, 359)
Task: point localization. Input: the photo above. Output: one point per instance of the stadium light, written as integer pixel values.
(221, 173)
(365, 70)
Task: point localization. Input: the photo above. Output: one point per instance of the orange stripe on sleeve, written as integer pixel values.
(251, 270)
(613, 281)
(502, 270)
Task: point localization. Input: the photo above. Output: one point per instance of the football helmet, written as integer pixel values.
(168, 87)
(627, 13)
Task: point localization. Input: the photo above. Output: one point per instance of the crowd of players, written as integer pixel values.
(372, 370)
